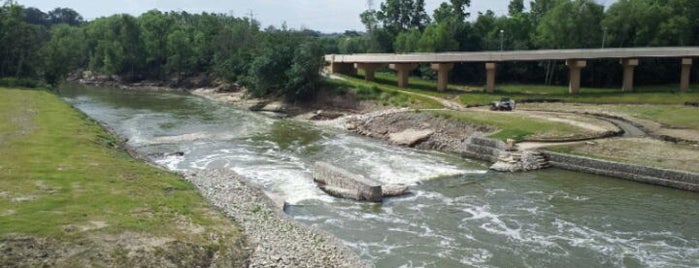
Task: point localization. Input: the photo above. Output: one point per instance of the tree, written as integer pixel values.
(35, 16)
(516, 7)
(63, 53)
(304, 75)
(401, 15)
(651, 23)
(571, 24)
(155, 28)
(65, 15)
(407, 41)
(438, 38)
(179, 52)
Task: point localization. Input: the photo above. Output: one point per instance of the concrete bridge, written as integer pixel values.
(576, 60)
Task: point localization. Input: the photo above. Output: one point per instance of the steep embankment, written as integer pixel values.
(69, 199)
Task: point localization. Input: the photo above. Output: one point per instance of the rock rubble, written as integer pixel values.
(275, 239)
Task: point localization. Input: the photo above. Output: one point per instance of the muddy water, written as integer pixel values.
(460, 215)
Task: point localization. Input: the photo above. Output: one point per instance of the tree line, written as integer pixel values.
(402, 26)
(280, 61)
(159, 46)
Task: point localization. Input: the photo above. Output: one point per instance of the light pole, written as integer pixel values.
(502, 40)
(604, 37)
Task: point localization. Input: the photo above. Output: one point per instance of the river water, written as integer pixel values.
(460, 214)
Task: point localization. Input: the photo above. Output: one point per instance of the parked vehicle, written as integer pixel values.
(505, 104)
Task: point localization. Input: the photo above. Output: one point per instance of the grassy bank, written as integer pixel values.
(62, 184)
(671, 116)
(474, 95)
(518, 127)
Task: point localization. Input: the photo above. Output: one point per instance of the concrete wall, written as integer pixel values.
(341, 182)
(483, 149)
(657, 176)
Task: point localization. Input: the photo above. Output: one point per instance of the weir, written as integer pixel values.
(576, 60)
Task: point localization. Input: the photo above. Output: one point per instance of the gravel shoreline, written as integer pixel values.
(275, 239)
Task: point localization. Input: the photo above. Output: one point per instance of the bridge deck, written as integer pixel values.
(526, 55)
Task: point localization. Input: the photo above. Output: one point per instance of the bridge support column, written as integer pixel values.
(442, 74)
(575, 67)
(342, 68)
(369, 69)
(490, 68)
(686, 70)
(629, 65)
(403, 70)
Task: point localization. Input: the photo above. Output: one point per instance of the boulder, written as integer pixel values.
(410, 137)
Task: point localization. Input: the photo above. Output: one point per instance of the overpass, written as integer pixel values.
(576, 60)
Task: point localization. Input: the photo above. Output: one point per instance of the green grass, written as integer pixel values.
(674, 116)
(59, 171)
(476, 96)
(384, 94)
(517, 127)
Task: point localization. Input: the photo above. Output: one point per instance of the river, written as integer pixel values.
(460, 214)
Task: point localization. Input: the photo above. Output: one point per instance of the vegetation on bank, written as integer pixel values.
(277, 61)
(669, 116)
(519, 127)
(473, 95)
(160, 46)
(62, 180)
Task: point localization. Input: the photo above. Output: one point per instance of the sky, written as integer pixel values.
(327, 16)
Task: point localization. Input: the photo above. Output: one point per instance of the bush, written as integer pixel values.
(19, 82)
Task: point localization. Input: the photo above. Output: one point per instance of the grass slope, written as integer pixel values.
(62, 180)
(518, 127)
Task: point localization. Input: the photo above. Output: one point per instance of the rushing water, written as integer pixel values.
(460, 215)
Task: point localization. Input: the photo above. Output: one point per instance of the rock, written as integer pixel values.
(410, 137)
(393, 190)
(503, 166)
(325, 115)
(276, 107)
(519, 162)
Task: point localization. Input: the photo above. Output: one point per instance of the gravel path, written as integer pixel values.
(275, 239)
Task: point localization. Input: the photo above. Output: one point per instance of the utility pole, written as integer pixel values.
(252, 17)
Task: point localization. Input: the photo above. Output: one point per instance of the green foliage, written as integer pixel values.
(571, 24)
(402, 15)
(19, 82)
(438, 38)
(303, 79)
(407, 41)
(63, 53)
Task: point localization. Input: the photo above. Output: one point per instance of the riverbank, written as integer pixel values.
(277, 241)
(70, 199)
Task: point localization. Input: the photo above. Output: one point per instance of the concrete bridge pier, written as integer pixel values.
(575, 67)
(442, 74)
(686, 70)
(369, 69)
(629, 65)
(342, 68)
(490, 68)
(403, 70)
